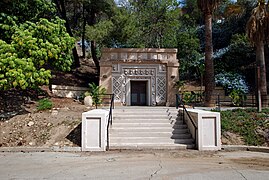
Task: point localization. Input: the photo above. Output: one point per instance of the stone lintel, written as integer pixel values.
(138, 50)
(139, 54)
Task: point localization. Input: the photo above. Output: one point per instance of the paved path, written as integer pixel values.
(135, 165)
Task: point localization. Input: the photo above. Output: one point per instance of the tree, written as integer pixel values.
(257, 32)
(157, 22)
(96, 11)
(28, 10)
(61, 8)
(207, 7)
(33, 47)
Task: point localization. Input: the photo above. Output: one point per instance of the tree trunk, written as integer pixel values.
(209, 65)
(93, 43)
(262, 84)
(61, 9)
(266, 56)
(94, 55)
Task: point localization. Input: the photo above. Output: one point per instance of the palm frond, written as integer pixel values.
(208, 6)
(257, 25)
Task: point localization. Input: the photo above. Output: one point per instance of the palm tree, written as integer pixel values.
(257, 32)
(207, 7)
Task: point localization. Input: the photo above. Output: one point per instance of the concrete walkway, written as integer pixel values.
(135, 165)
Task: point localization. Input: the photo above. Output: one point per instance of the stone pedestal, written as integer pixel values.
(94, 130)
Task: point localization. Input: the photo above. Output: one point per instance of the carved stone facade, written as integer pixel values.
(158, 68)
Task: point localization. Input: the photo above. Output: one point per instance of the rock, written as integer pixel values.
(66, 143)
(66, 109)
(88, 101)
(31, 123)
(56, 144)
(54, 112)
(31, 143)
(49, 124)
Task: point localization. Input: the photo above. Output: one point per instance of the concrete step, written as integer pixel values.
(147, 121)
(150, 134)
(141, 116)
(156, 146)
(146, 140)
(149, 130)
(152, 124)
(143, 108)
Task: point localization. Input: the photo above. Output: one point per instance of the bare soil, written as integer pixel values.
(21, 124)
(60, 126)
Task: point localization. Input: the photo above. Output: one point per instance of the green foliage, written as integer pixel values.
(99, 32)
(239, 57)
(189, 54)
(155, 23)
(125, 30)
(96, 92)
(245, 123)
(44, 104)
(28, 10)
(191, 97)
(238, 97)
(32, 47)
(188, 97)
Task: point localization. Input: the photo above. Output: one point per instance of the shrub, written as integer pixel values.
(238, 97)
(44, 104)
(232, 81)
(235, 85)
(96, 92)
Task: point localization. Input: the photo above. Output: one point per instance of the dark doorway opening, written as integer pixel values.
(138, 93)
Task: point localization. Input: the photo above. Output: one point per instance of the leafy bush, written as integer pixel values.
(234, 84)
(232, 81)
(31, 48)
(238, 97)
(44, 104)
(96, 92)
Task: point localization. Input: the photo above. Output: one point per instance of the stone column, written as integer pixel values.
(106, 76)
(172, 78)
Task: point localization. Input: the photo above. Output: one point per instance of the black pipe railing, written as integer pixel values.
(110, 117)
(179, 102)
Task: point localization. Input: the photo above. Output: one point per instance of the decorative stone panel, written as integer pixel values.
(155, 66)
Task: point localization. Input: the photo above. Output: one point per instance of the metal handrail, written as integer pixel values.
(110, 118)
(180, 102)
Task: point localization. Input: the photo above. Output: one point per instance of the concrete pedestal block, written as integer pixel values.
(94, 130)
(208, 135)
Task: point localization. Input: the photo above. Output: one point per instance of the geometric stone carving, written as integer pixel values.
(117, 88)
(161, 89)
(155, 76)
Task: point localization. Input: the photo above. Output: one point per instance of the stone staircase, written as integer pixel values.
(148, 128)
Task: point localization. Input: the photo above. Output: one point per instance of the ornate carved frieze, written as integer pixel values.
(155, 76)
(139, 72)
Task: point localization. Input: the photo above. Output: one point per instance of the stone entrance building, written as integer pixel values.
(144, 77)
